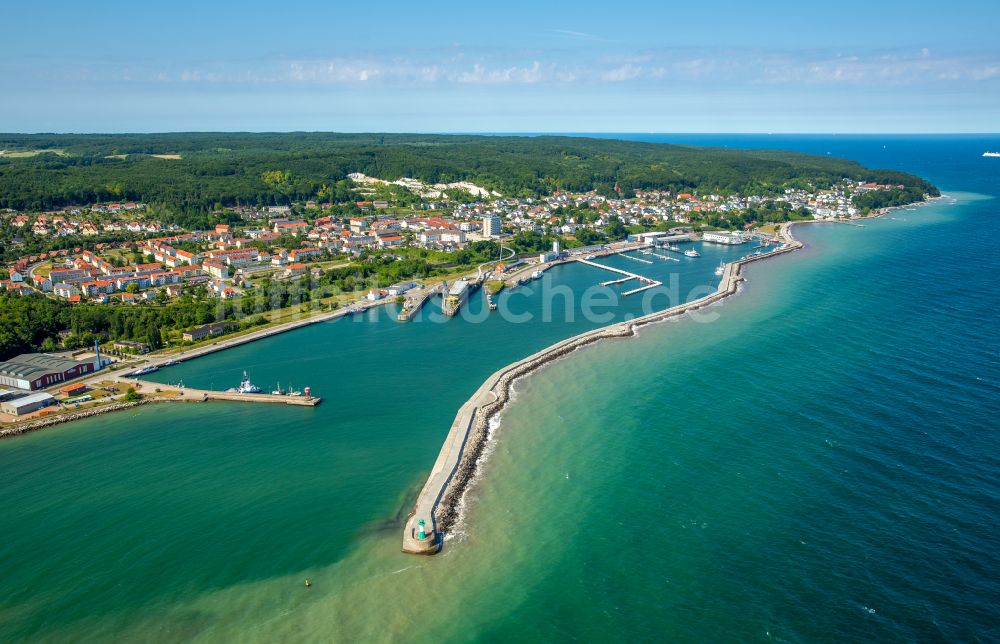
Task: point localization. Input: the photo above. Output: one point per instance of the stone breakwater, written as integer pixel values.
(42, 423)
(455, 468)
(447, 511)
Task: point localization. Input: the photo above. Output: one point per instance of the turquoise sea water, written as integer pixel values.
(817, 463)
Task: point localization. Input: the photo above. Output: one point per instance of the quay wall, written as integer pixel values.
(184, 395)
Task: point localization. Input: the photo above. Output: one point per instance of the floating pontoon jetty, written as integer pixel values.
(648, 282)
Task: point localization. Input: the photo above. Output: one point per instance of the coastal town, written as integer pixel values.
(156, 263)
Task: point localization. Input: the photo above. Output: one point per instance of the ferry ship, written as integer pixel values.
(247, 387)
(691, 253)
(991, 154)
(145, 370)
(456, 297)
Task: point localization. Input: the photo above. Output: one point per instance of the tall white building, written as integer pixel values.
(491, 226)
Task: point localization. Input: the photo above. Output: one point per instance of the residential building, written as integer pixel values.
(205, 331)
(491, 226)
(216, 269)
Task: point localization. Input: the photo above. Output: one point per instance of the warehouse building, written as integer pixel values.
(33, 371)
(27, 404)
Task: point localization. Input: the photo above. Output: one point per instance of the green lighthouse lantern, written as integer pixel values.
(420, 531)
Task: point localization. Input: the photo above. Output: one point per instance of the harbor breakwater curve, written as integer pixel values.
(437, 505)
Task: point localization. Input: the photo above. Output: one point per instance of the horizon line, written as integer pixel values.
(502, 133)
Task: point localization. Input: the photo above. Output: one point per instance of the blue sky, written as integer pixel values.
(500, 67)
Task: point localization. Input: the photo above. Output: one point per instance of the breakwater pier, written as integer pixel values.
(437, 505)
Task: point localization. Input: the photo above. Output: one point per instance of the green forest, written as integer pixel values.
(226, 169)
(876, 199)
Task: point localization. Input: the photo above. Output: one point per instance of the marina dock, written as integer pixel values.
(665, 258)
(648, 282)
(653, 253)
(641, 289)
(637, 259)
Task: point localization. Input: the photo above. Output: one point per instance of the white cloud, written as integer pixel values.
(468, 66)
(623, 73)
(482, 74)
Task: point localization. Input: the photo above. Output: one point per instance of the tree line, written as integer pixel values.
(273, 169)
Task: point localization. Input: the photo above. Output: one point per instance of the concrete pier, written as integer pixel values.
(186, 394)
(455, 467)
(413, 304)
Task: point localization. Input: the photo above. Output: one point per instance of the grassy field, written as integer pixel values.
(24, 154)
(155, 156)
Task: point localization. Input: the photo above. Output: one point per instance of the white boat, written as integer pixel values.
(691, 253)
(247, 387)
(720, 269)
(536, 275)
(145, 370)
(991, 154)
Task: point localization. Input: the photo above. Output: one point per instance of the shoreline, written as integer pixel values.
(17, 429)
(439, 501)
(42, 423)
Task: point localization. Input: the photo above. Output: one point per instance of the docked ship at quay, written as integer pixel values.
(457, 295)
